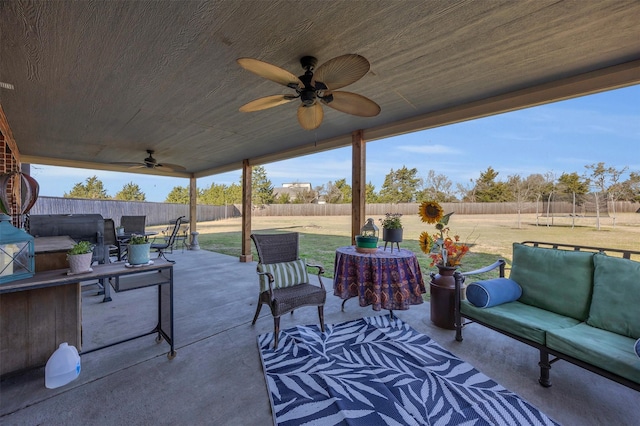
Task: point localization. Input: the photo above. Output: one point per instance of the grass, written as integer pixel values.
(490, 236)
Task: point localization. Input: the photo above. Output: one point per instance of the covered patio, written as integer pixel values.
(216, 377)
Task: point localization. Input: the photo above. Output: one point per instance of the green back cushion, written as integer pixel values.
(285, 274)
(559, 281)
(616, 296)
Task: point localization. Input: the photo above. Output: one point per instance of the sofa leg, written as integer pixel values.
(545, 366)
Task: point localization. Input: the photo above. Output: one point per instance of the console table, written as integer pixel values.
(384, 279)
(122, 278)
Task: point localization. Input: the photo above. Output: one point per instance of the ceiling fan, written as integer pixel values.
(313, 87)
(152, 163)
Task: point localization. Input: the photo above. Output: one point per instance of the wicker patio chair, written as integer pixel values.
(284, 281)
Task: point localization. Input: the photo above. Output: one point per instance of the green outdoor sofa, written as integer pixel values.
(575, 303)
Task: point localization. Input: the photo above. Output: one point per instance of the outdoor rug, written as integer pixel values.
(380, 371)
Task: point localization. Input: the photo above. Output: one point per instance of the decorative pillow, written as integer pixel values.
(488, 293)
(616, 295)
(637, 347)
(285, 274)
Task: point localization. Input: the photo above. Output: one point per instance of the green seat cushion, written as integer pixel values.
(559, 281)
(285, 274)
(607, 350)
(616, 296)
(520, 319)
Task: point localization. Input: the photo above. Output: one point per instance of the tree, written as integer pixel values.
(400, 186)
(605, 179)
(261, 187)
(283, 198)
(345, 190)
(178, 195)
(487, 190)
(215, 195)
(371, 196)
(93, 189)
(306, 196)
(521, 192)
(437, 188)
(130, 192)
(572, 185)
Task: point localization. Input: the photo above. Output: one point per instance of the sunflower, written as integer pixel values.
(430, 212)
(425, 242)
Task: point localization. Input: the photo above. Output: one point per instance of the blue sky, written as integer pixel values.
(557, 138)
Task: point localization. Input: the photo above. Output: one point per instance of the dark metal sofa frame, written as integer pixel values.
(544, 363)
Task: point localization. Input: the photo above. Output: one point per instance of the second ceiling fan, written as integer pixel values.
(315, 87)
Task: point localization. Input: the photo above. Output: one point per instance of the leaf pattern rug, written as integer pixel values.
(380, 371)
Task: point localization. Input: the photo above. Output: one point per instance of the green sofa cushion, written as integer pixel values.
(559, 281)
(285, 274)
(602, 348)
(616, 296)
(520, 319)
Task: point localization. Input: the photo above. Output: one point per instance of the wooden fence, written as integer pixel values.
(156, 213)
(162, 213)
(558, 208)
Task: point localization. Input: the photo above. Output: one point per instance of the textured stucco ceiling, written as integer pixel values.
(97, 82)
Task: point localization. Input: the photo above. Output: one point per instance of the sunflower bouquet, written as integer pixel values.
(441, 248)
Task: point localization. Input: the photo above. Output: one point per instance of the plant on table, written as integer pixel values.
(441, 248)
(138, 239)
(81, 247)
(391, 221)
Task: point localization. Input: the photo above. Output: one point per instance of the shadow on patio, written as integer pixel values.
(216, 377)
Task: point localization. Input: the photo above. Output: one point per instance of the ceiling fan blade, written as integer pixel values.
(270, 72)
(310, 117)
(172, 167)
(131, 165)
(266, 102)
(341, 71)
(354, 104)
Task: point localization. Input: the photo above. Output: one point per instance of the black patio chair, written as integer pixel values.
(133, 224)
(284, 281)
(167, 244)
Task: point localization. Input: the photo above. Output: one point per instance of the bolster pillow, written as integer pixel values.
(488, 293)
(637, 347)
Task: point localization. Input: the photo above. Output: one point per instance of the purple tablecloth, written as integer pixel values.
(384, 280)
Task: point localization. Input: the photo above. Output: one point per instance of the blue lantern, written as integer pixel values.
(17, 259)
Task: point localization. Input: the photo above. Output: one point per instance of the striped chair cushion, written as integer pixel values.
(285, 274)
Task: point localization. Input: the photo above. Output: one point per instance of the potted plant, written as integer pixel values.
(392, 228)
(80, 257)
(138, 250)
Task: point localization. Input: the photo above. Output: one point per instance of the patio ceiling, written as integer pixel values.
(97, 82)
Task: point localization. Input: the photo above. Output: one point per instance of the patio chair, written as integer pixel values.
(181, 237)
(161, 248)
(112, 245)
(284, 281)
(133, 224)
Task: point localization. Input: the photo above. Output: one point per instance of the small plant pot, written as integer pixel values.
(79, 263)
(138, 254)
(392, 235)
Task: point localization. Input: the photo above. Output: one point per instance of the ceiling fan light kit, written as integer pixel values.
(313, 87)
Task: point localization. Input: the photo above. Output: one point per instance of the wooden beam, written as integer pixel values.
(358, 179)
(246, 255)
(193, 205)
(8, 136)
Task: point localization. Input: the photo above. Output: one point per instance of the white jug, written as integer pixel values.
(62, 367)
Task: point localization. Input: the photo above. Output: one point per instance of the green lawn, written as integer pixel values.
(490, 236)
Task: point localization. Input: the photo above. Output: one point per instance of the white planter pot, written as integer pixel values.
(79, 263)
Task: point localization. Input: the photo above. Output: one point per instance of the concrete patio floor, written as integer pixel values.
(216, 377)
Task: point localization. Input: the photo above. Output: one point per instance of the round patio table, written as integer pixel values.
(384, 279)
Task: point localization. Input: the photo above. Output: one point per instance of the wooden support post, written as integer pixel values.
(193, 205)
(246, 255)
(358, 179)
